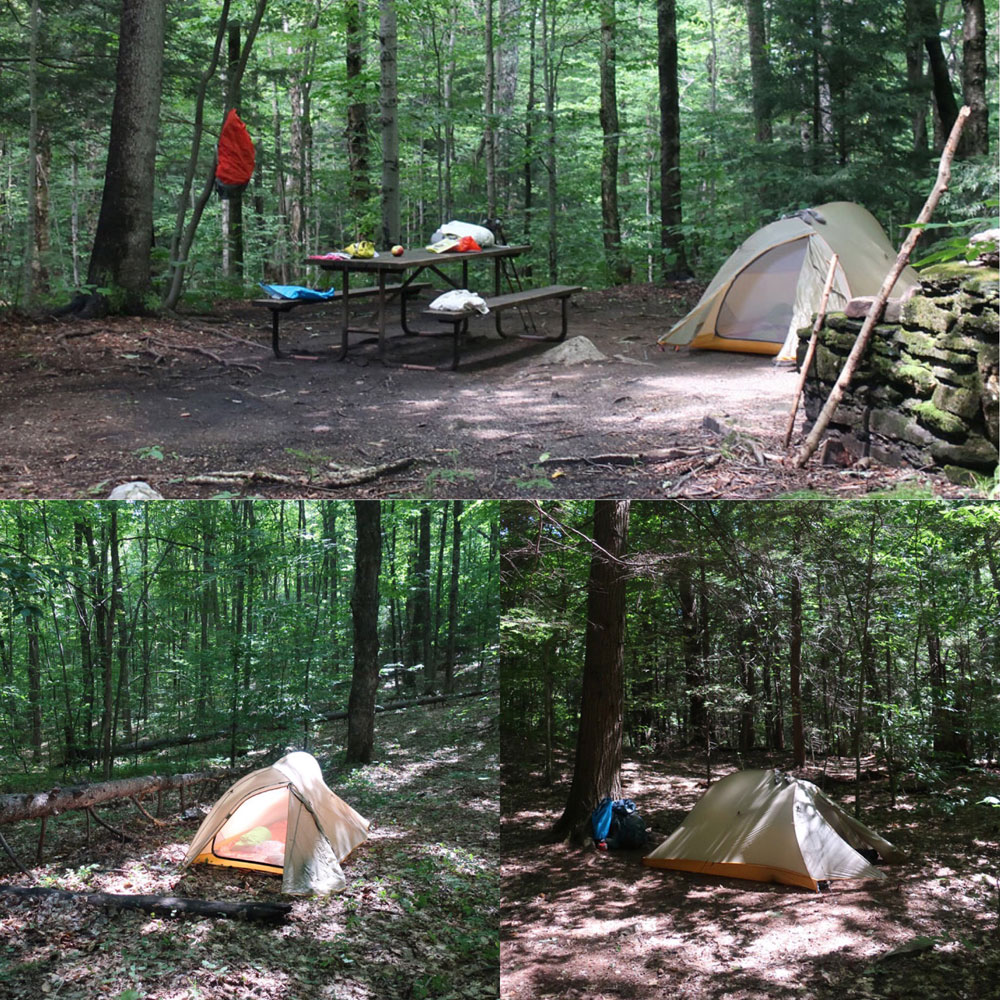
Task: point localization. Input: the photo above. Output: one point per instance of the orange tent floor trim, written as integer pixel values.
(756, 873)
(712, 342)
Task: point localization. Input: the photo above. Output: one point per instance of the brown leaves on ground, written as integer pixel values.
(418, 919)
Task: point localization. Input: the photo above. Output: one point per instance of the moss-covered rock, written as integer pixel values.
(959, 476)
(922, 313)
(889, 423)
(957, 271)
(957, 342)
(838, 321)
(984, 326)
(974, 452)
(940, 421)
(916, 376)
(963, 403)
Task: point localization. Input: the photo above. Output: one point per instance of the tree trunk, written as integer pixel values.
(31, 249)
(233, 205)
(671, 238)
(389, 100)
(597, 771)
(120, 259)
(795, 672)
(618, 267)
(456, 562)
(693, 673)
(760, 70)
(421, 607)
(357, 108)
(173, 288)
(364, 612)
(976, 137)
(928, 25)
(549, 76)
(489, 131)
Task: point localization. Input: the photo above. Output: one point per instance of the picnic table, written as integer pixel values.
(398, 276)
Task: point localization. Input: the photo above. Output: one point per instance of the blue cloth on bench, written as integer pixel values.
(296, 292)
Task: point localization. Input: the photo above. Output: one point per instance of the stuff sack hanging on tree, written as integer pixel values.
(236, 157)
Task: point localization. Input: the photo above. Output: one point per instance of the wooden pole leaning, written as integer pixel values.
(811, 349)
(878, 306)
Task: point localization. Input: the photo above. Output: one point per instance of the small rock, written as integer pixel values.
(136, 490)
(576, 351)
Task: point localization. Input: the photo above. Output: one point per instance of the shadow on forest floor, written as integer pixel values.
(419, 913)
(576, 922)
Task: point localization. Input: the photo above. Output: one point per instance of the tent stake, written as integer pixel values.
(811, 349)
(878, 306)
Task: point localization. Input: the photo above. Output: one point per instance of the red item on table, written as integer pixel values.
(467, 243)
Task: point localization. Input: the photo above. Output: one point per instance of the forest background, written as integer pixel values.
(804, 627)
(235, 621)
(628, 140)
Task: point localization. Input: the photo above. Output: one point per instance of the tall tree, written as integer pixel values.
(389, 103)
(760, 70)
(597, 769)
(364, 613)
(976, 135)
(671, 237)
(619, 269)
(120, 258)
(357, 107)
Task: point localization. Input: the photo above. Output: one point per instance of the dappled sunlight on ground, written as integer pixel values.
(577, 922)
(419, 913)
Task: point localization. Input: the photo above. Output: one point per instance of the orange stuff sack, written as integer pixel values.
(236, 156)
(467, 243)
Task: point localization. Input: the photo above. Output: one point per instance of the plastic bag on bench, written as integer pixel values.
(460, 298)
(297, 292)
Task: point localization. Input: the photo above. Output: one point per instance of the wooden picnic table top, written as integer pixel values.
(415, 258)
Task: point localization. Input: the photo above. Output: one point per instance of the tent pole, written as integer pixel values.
(811, 349)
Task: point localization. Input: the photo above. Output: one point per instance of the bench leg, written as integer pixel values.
(275, 322)
(345, 291)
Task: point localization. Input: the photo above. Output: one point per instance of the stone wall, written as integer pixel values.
(926, 393)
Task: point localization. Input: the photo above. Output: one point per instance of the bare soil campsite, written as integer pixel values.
(198, 406)
(578, 922)
(418, 918)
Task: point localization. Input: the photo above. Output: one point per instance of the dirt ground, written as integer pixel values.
(581, 923)
(183, 402)
(418, 919)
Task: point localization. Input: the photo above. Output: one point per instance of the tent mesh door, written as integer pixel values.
(256, 830)
(759, 302)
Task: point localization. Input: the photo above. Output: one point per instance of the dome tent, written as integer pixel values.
(771, 285)
(770, 827)
(282, 819)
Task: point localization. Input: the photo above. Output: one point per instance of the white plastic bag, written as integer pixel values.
(458, 229)
(460, 298)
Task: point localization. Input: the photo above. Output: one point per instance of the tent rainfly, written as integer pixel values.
(771, 827)
(771, 286)
(284, 820)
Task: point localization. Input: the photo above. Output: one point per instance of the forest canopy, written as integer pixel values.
(556, 117)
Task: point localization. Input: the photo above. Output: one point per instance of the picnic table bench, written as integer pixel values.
(279, 306)
(459, 318)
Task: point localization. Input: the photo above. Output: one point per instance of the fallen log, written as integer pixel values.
(162, 906)
(33, 805)
(431, 699)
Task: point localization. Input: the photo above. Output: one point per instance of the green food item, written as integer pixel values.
(253, 837)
